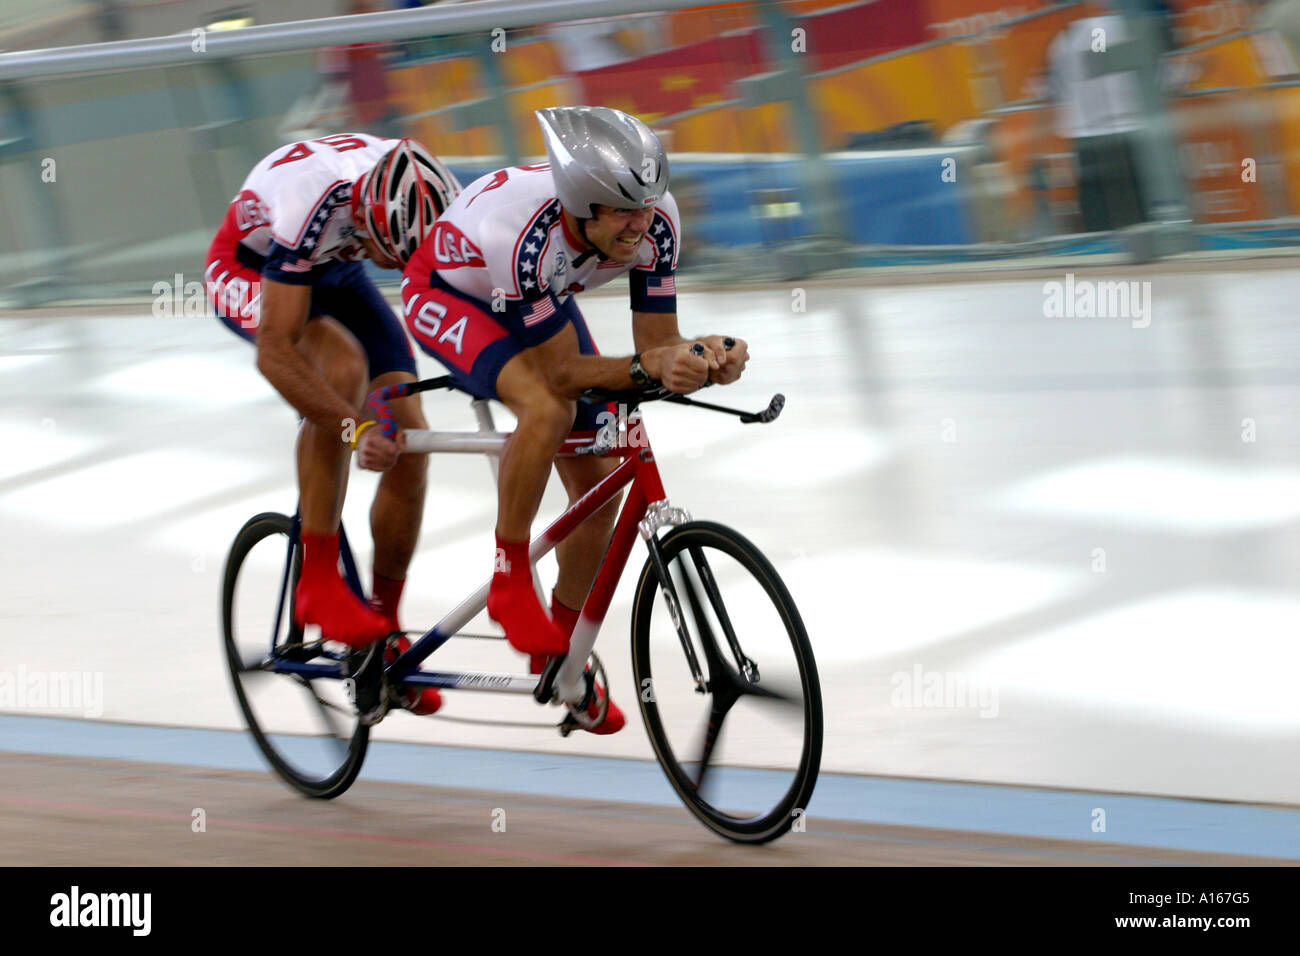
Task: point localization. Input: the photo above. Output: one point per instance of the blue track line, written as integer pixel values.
(1051, 814)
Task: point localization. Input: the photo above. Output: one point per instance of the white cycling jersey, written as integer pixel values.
(294, 208)
(504, 238)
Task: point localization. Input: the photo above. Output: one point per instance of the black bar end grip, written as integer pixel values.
(769, 414)
(728, 343)
(442, 381)
(697, 348)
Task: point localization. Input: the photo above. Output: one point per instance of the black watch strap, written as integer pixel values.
(636, 372)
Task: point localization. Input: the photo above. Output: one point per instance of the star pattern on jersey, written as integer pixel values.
(529, 258)
(661, 237)
(320, 219)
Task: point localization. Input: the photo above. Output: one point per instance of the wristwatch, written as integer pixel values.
(636, 372)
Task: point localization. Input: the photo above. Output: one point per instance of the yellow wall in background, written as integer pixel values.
(934, 84)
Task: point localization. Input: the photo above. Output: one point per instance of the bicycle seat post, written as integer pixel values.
(483, 414)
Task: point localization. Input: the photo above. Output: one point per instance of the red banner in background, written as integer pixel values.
(678, 79)
(703, 72)
(861, 31)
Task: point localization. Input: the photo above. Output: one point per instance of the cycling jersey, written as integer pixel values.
(500, 272)
(503, 240)
(291, 222)
(294, 210)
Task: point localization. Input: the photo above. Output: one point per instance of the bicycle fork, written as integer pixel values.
(669, 592)
(662, 515)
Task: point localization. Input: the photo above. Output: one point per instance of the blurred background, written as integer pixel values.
(1094, 516)
(829, 134)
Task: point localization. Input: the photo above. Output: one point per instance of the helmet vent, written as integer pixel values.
(399, 168)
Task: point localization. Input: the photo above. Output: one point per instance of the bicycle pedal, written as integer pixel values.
(300, 652)
(364, 672)
(568, 725)
(544, 693)
(577, 718)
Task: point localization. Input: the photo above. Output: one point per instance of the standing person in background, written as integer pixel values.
(112, 23)
(362, 69)
(1099, 113)
(1284, 17)
(593, 44)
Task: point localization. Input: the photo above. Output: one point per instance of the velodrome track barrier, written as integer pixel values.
(117, 159)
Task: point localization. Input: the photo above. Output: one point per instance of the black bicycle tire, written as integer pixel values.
(326, 788)
(782, 817)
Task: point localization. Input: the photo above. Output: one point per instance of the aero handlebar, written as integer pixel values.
(377, 401)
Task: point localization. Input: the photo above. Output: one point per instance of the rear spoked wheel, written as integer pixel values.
(305, 724)
(733, 712)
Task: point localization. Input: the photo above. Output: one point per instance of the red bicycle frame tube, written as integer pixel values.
(646, 488)
(639, 469)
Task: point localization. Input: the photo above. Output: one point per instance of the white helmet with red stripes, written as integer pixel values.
(402, 196)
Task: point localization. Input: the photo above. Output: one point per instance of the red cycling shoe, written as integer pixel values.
(566, 618)
(513, 604)
(325, 600)
(614, 719)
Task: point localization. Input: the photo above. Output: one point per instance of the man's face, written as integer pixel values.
(375, 254)
(617, 232)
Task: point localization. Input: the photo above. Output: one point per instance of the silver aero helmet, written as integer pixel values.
(602, 156)
(402, 196)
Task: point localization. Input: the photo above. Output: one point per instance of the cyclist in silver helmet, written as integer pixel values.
(491, 295)
(603, 157)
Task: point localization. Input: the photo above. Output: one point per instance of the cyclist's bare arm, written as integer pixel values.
(652, 330)
(284, 317)
(568, 373)
(665, 354)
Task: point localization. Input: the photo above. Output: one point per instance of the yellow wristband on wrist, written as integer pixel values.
(356, 437)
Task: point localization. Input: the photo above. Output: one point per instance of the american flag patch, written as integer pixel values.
(542, 309)
(667, 285)
(298, 265)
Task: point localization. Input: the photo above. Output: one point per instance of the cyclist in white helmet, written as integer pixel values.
(284, 271)
(491, 295)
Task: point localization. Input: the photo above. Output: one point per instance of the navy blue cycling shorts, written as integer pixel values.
(341, 290)
(474, 342)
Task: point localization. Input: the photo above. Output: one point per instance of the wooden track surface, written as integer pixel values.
(79, 812)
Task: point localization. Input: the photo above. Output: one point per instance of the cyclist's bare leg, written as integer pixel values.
(398, 508)
(395, 518)
(322, 454)
(579, 555)
(543, 422)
